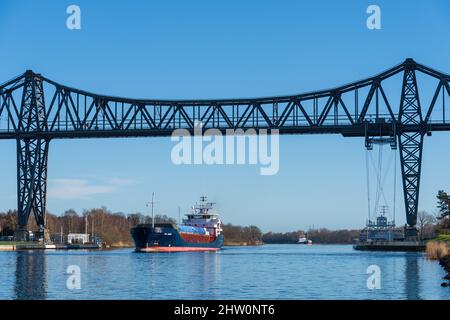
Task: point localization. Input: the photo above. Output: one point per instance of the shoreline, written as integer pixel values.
(438, 249)
(16, 247)
(445, 263)
(242, 244)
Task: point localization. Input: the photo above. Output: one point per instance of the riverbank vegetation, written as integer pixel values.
(442, 222)
(112, 228)
(439, 247)
(436, 250)
(241, 236)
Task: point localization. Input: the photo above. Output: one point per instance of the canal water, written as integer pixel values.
(263, 272)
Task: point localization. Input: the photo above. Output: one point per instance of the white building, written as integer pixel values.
(77, 238)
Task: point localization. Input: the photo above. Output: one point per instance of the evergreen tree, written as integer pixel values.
(443, 204)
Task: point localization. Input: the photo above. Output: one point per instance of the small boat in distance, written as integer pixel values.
(201, 230)
(302, 239)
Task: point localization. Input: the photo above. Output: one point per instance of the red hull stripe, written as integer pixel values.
(176, 249)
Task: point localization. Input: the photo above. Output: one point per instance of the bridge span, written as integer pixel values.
(391, 105)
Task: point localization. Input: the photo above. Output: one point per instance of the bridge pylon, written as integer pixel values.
(411, 145)
(32, 158)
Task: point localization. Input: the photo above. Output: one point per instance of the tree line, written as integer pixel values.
(321, 235)
(250, 235)
(111, 228)
(114, 228)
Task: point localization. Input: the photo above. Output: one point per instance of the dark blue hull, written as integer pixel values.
(166, 238)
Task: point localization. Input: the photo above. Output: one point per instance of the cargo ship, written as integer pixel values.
(201, 230)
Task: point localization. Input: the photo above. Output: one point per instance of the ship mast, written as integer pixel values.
(152, 203)
(204, 206)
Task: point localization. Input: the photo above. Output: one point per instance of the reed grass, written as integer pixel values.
(436, 250)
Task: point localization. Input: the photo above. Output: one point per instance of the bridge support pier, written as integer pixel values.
(411, 145)
(32, 158)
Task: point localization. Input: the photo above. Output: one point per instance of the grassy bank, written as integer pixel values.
(443, 237)
(14, 243)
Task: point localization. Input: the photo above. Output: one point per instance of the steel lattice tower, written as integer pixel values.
(410, 143)
(32, 156)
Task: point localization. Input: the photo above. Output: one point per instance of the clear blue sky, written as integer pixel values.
(204, 49)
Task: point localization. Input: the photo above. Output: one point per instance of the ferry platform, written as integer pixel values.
(391, 246)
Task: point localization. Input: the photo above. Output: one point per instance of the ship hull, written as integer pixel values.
(167, 238)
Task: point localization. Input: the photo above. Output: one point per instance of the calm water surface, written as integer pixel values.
(264, 272)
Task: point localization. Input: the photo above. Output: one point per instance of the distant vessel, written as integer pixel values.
(302, 239)
(200, 231)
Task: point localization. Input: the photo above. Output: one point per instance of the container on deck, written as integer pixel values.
(191, 229)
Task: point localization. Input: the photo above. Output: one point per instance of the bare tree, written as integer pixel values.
(424, 220)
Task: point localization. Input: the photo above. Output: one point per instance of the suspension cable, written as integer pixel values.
(395, 182)
(380, 178)
(368, 182)
(380, 166)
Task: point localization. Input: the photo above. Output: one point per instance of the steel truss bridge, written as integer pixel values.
(391, 105)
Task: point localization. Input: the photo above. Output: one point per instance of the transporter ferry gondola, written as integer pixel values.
(201, 230)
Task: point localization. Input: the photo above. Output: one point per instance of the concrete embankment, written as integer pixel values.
(35, 246)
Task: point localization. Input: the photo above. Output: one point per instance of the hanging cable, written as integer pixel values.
(380, 167)
(395, 183)
(384, 179)
(368, 182)
(376, 169)
(381, 179)
(380, 182)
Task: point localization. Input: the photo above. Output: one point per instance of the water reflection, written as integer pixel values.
(209, 275)
(277, 271)
(31, 280)
(190, 275)
(412, 276)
